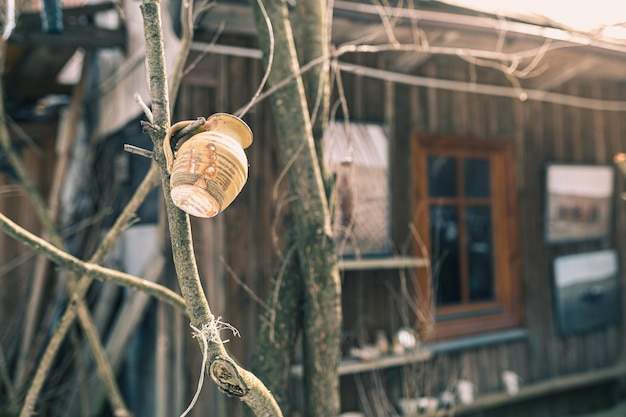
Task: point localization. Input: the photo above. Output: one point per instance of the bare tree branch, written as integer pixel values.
(69, 262)
(230, 378)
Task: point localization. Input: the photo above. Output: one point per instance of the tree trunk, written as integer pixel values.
(314, 244)
(276, 339)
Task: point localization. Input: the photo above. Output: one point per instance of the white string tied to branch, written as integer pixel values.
(210, 333)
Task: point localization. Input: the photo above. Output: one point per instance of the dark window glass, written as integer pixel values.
(441, 176)
(476, 177)
(480, 253)
(444, 234)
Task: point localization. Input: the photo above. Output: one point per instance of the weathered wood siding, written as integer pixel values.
(541, 132)
(17, 261)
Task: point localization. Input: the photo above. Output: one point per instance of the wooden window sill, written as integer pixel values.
(394, 262)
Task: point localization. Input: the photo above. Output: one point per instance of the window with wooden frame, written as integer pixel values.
(466, 214)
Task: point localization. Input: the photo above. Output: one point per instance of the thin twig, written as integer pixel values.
(138, 151)
(243, 285)
(103, 367)
(26, 256)
(270, 61)
(6, 380)
(94, 271)
(146, 110)
(206, 50)
(25, 137)
(70, 314)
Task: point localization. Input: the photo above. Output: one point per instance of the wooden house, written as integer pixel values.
(492, 228)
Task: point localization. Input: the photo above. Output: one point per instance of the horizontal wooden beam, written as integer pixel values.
(350, 366)
(394, 262)
(75, 36)
(30, 20)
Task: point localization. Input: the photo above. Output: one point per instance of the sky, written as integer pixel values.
(583, 16)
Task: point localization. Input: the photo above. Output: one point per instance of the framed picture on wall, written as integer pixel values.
(579, 202)
(587, 290)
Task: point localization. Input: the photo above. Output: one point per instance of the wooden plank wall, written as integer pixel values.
(16, 263)
(243, 238)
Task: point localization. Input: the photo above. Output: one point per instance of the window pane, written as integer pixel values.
(476, 176)
(480, 253)
(441, 176)
(444, 235)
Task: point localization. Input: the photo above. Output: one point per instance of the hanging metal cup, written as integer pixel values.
(208, 170)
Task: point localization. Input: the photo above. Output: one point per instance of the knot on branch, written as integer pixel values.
(225, 374)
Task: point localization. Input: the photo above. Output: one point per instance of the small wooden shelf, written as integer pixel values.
(544, 388)
(394, 262)
(350, 366)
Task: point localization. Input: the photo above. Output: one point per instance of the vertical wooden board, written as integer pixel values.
(353, 311)
(601, 357)
(519, 360)
(589, 141)
(476, 115)
(434, 376)
(222, 97)
(574, 118)
(253, 187)
(558, 133)
(570, 354)
(537, 293)
(458, 113)
(426, 375)
(432, 100)
(469, 369)
(417, 100)
(614, 122)
(349, 312)
(389, 110)
(450, 118)
(600, 127)
(265, 169)
(541, 297)
(503, 110)
(240, 87)
(588, 346)
(242, 309)
(584, 153)
(356, 103)
(13, 289)
(503, 363)
(548, 131)
(408, 109)
(486, 370)
(612, 344)
(517, 116)
(493, 114)
(450, 370)
(618, 132)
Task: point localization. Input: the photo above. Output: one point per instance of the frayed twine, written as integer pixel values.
(210, 333)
